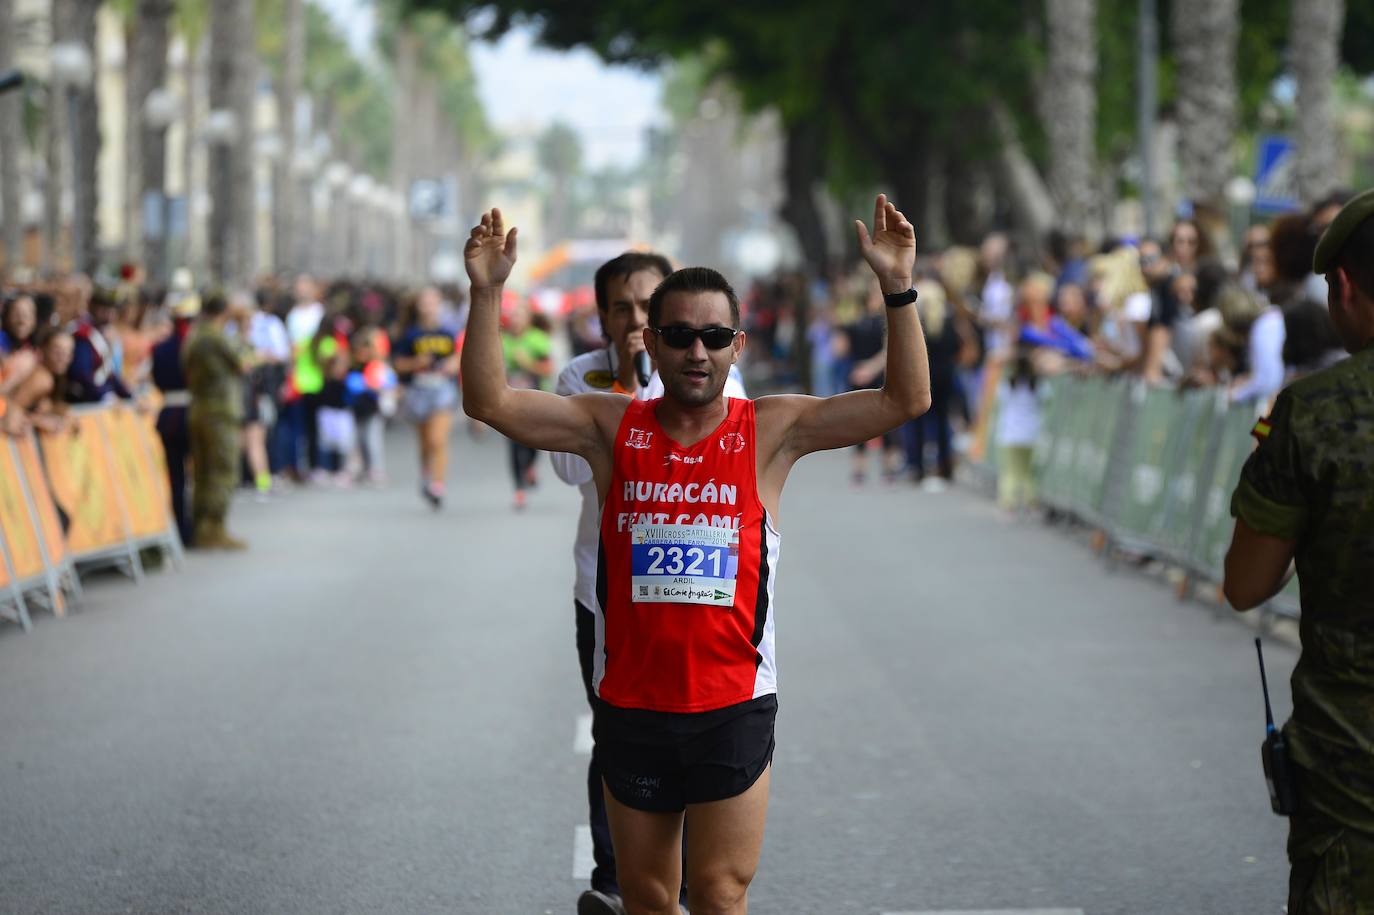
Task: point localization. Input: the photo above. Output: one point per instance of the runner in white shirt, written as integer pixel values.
(623, 286)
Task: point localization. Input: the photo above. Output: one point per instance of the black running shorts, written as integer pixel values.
(661, 762)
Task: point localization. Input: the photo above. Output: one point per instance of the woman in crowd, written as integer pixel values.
(42, 394)
(426, 362)
(942, 345)
(1123, 299)
(18, 324)
(1018, 428)
(18, 356)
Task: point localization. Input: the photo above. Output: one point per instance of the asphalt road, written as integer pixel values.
(377, 709)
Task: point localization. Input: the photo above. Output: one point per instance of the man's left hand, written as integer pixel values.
(891, 251)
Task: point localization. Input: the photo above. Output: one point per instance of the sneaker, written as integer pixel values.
(933, 484)
(595, 902)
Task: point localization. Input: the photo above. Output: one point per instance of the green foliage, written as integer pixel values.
(884, 81)
(191, 21)
(443, 57)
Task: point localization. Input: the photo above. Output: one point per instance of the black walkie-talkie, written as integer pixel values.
(1278, 773)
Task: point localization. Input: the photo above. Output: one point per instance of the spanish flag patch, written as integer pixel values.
(1262, 429)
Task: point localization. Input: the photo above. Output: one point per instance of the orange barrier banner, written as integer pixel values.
(21, 537)
(50, 527)
(145, 501)
(78, 465)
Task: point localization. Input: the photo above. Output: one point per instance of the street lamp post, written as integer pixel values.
(160, 110)
(359, 193)
(73, 72)
(1148, 102)
(336, 178)
(270, 148)
(221, 126)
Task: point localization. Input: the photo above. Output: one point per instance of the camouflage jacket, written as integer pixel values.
(1311, 480)
(214, 371)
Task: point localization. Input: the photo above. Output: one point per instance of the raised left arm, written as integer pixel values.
(798, 425)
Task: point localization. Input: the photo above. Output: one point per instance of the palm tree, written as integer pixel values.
(1205, 36)
(146, 68)
(1315, 42)
(232, 72)
(1068, 103)
(74, 123)
(11, 130)
(286, 231)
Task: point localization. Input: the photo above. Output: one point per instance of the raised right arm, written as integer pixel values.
(582, 424)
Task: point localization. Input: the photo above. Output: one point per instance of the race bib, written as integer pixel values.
(683, 564)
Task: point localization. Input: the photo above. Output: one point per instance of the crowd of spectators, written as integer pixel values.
(319, 381)
(1171, 311)
(323, 368)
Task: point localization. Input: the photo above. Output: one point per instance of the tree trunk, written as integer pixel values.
(287, 252)
(933, 227)
(802, 169)
(1031, 206)
(1316, 43)
(86, 144)
(11, 140)
(1068, 108)
(1205, 36)
(231, 163)
(147, 69)
(402, 154)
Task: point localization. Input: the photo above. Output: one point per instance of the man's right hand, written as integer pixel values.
(489, 253)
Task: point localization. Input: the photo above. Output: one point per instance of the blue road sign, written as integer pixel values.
(1276, 175)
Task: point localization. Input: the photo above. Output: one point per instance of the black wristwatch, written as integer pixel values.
(898, 299)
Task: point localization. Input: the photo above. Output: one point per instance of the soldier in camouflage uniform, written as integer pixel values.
(214, 374)
(1307, 494)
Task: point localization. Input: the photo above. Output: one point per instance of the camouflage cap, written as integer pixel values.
(1360, 208)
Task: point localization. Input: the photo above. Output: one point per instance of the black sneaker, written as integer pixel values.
(595, 902)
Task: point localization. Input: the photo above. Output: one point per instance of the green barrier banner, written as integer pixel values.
(1097, 433)
(1171, 524)
(1213, 534)
(1156, 435)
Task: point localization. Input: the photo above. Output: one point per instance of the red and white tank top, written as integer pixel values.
(685, 570)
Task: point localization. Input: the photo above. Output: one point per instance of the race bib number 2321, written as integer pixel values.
(683, 564)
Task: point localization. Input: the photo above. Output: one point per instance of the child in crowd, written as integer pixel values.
(369, 379)
(1018, 427)
(337, 432)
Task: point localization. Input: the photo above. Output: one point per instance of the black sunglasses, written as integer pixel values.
(679, 337)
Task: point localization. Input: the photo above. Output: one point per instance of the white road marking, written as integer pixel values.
(582, 738)
(994, 912)
(583, 862)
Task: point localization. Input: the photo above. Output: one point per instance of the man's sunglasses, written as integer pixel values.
(680, 337)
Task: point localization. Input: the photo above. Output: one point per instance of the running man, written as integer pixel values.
(623, 286)
(689, 486)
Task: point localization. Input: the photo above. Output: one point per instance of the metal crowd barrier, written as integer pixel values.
(96, 494)
(1151, 468)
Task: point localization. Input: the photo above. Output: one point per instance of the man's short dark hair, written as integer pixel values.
(1356, 258)
(624, 265)
(215, 304)
(692, 279)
